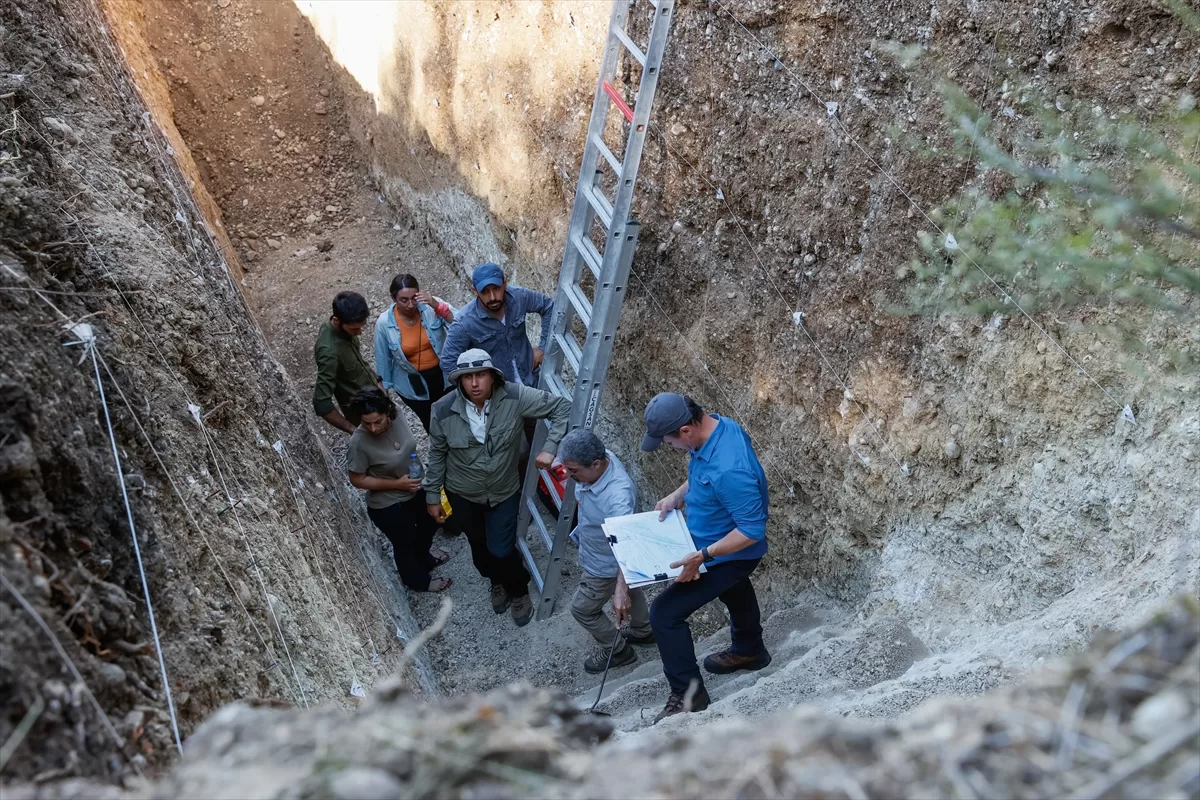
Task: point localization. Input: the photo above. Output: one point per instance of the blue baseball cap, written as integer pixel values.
(486, 275)
(666, 413)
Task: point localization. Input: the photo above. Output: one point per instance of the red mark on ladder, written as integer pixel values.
(618, 101)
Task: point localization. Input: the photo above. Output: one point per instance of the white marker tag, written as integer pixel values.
(356, 689)
(951, 242)
(194, 410)
(1127, 415)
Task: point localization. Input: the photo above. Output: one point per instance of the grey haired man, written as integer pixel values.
(603, 489)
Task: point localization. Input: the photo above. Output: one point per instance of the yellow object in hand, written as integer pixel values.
(446, 504)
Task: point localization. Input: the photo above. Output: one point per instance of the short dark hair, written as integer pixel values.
(696, 412)
(372, 400)
(350, 307)
(402, 281)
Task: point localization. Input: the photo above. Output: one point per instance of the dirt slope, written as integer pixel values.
(254, 555)
(1120, 721)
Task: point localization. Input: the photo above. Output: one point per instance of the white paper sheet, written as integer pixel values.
(645, 547)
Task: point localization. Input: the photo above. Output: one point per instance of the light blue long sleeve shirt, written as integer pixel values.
(394, 369)
(505, 341)
(614, 495)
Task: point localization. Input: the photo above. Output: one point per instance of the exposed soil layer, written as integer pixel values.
(253, 553)
(1119, 721)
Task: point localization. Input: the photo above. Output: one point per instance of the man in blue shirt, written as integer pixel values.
(726, 499)
(495, 322)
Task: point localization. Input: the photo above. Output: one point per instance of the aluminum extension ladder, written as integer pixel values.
(603, 238)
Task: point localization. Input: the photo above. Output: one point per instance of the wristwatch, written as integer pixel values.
(704, 552)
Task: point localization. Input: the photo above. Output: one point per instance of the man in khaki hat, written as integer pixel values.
(475, 436)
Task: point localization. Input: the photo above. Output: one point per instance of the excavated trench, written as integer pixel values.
(292, 150)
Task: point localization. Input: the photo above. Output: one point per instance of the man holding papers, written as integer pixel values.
(603, 489)
(726, 502)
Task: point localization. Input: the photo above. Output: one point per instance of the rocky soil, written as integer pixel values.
(254, 554)
(1121, 722)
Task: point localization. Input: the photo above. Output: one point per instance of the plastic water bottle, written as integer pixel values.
(414, 467)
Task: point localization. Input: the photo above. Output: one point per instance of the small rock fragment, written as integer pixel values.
(61, 129)
(325, 245)
(1160, 712)
(257, 100)
(205, 47)
(360, 783)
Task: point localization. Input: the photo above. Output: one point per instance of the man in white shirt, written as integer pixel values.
(603, 489)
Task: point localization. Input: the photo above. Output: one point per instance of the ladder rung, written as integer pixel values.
(582, 307)
(630, 46)
(590, 254)
(570, 349)
(608, 154)
(617, 100)
(557, 386)
(599, 204)
(536, 516)
(534, 572)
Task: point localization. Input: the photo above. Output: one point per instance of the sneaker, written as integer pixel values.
(595, 663)
(521, 610)
(500, 599)
(674, 705)
(727, 661)
(642, 640)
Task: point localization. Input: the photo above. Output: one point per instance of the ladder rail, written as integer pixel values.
(589, 359)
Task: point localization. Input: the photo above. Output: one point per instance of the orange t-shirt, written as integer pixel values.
(414, 341)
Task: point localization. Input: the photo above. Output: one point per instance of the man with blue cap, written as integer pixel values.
(726, 498)
(495, 322)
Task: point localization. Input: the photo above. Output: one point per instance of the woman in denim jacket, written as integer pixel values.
(408, 338)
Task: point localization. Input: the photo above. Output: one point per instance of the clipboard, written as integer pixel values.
(645, 547)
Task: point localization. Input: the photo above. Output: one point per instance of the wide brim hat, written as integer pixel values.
(474, 360)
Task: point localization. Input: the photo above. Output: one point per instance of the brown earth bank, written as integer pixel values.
(1120, 721)
(252, 552)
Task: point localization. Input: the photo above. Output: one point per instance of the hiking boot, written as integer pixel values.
(594, 664)
(648, 639)
(500, 599)
(727, 661)
(521, 610)
(675, 705)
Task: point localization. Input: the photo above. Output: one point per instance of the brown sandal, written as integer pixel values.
(439, 557)
(446, 583)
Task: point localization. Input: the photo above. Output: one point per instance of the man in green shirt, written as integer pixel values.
(475, 437)
(341, 369)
